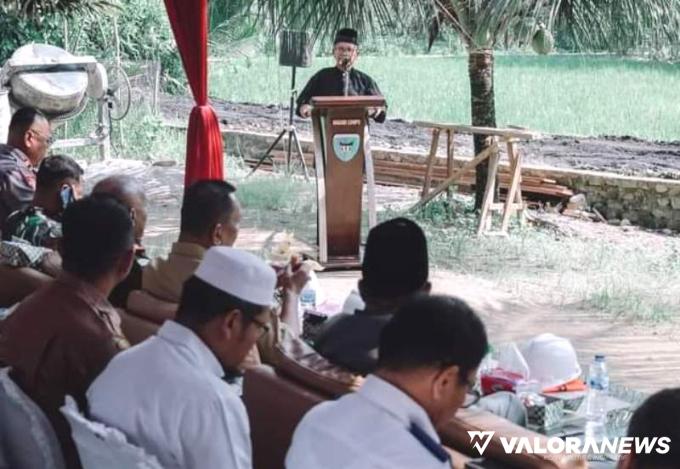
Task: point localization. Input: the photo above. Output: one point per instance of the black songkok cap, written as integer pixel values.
(395, 261)
(346, 35)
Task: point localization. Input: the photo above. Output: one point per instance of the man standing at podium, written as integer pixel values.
(341, 80)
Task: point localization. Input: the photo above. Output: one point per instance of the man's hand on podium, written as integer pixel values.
(375, 111)
(305, 110)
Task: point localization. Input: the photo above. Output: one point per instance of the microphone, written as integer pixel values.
(345, 76)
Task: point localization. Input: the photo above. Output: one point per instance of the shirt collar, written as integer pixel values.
(192, 347)
(397, 403)
(86, 291)
(188, 249)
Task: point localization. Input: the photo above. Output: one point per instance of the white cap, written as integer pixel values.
(552, 360)
(239, 273)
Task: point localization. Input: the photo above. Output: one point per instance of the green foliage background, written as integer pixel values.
(143, 29)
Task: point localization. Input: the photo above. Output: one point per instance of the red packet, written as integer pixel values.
(499, 380)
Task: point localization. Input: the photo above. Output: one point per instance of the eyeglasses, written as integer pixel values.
(348, 49)
(264, 327)
(473, 394)
(471, 398)
(49, 140)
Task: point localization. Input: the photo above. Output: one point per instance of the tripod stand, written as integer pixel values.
(292, 135)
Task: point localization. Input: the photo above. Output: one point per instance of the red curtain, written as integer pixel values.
(189, 21)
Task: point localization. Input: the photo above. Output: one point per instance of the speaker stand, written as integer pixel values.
(292, 136)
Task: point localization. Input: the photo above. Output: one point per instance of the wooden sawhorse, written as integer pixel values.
(509, 136)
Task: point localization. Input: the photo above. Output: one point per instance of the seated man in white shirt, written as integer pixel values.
(428, 358)
(167, 393)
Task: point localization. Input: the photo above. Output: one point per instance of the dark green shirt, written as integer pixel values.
(33, 226)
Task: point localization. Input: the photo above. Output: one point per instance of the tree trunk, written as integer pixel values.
(480, 71)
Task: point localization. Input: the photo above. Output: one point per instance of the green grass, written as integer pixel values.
(601, 275)
(141, 135)
(535, 263)
(563, 94)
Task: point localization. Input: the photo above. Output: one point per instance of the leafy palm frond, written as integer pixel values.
(613, 24)
(37, 9)
(620, 24)
(324, 17)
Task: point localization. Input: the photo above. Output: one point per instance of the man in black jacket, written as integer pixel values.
(342, 79)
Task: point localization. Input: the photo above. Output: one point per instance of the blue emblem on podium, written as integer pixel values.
(346, 146)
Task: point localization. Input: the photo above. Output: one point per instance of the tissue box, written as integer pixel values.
(572, 400)
(545, 416)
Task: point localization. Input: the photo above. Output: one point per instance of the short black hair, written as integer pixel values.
(658, 416)
(395, 261)
(433, 331)
(201, 302)
(55, 169)
(23, 119)
(96, 230)
(206, 203)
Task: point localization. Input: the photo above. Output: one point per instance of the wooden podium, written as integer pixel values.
(341, 155)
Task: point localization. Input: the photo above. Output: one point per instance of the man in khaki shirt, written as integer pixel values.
(210, 217)
(60, 338)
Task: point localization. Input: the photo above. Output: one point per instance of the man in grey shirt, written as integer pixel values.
(29, 138)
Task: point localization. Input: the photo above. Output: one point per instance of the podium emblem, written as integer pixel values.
(346, 146)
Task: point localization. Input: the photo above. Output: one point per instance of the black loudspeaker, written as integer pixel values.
(295, 49)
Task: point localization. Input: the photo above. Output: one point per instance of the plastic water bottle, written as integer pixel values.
(596, 399)
(308, 297)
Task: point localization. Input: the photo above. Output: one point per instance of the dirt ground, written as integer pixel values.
(641, 355)
(622, 155)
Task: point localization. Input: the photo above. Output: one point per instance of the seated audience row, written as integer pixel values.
(80, 333)
(169, 394)
(61, 337)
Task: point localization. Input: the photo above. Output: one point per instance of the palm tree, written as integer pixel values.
(484, 25)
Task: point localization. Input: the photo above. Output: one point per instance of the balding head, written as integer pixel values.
(130, 193)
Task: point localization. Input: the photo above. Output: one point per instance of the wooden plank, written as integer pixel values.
(489, 192)
(467, 166)
(410, 174)
(370, 180)
(493, 131)
(516, 170)
(320, 187)
(430, 161)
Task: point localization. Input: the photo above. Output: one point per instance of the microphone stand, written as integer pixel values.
(292, 136)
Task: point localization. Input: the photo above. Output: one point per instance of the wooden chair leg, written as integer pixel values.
(430, 162)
